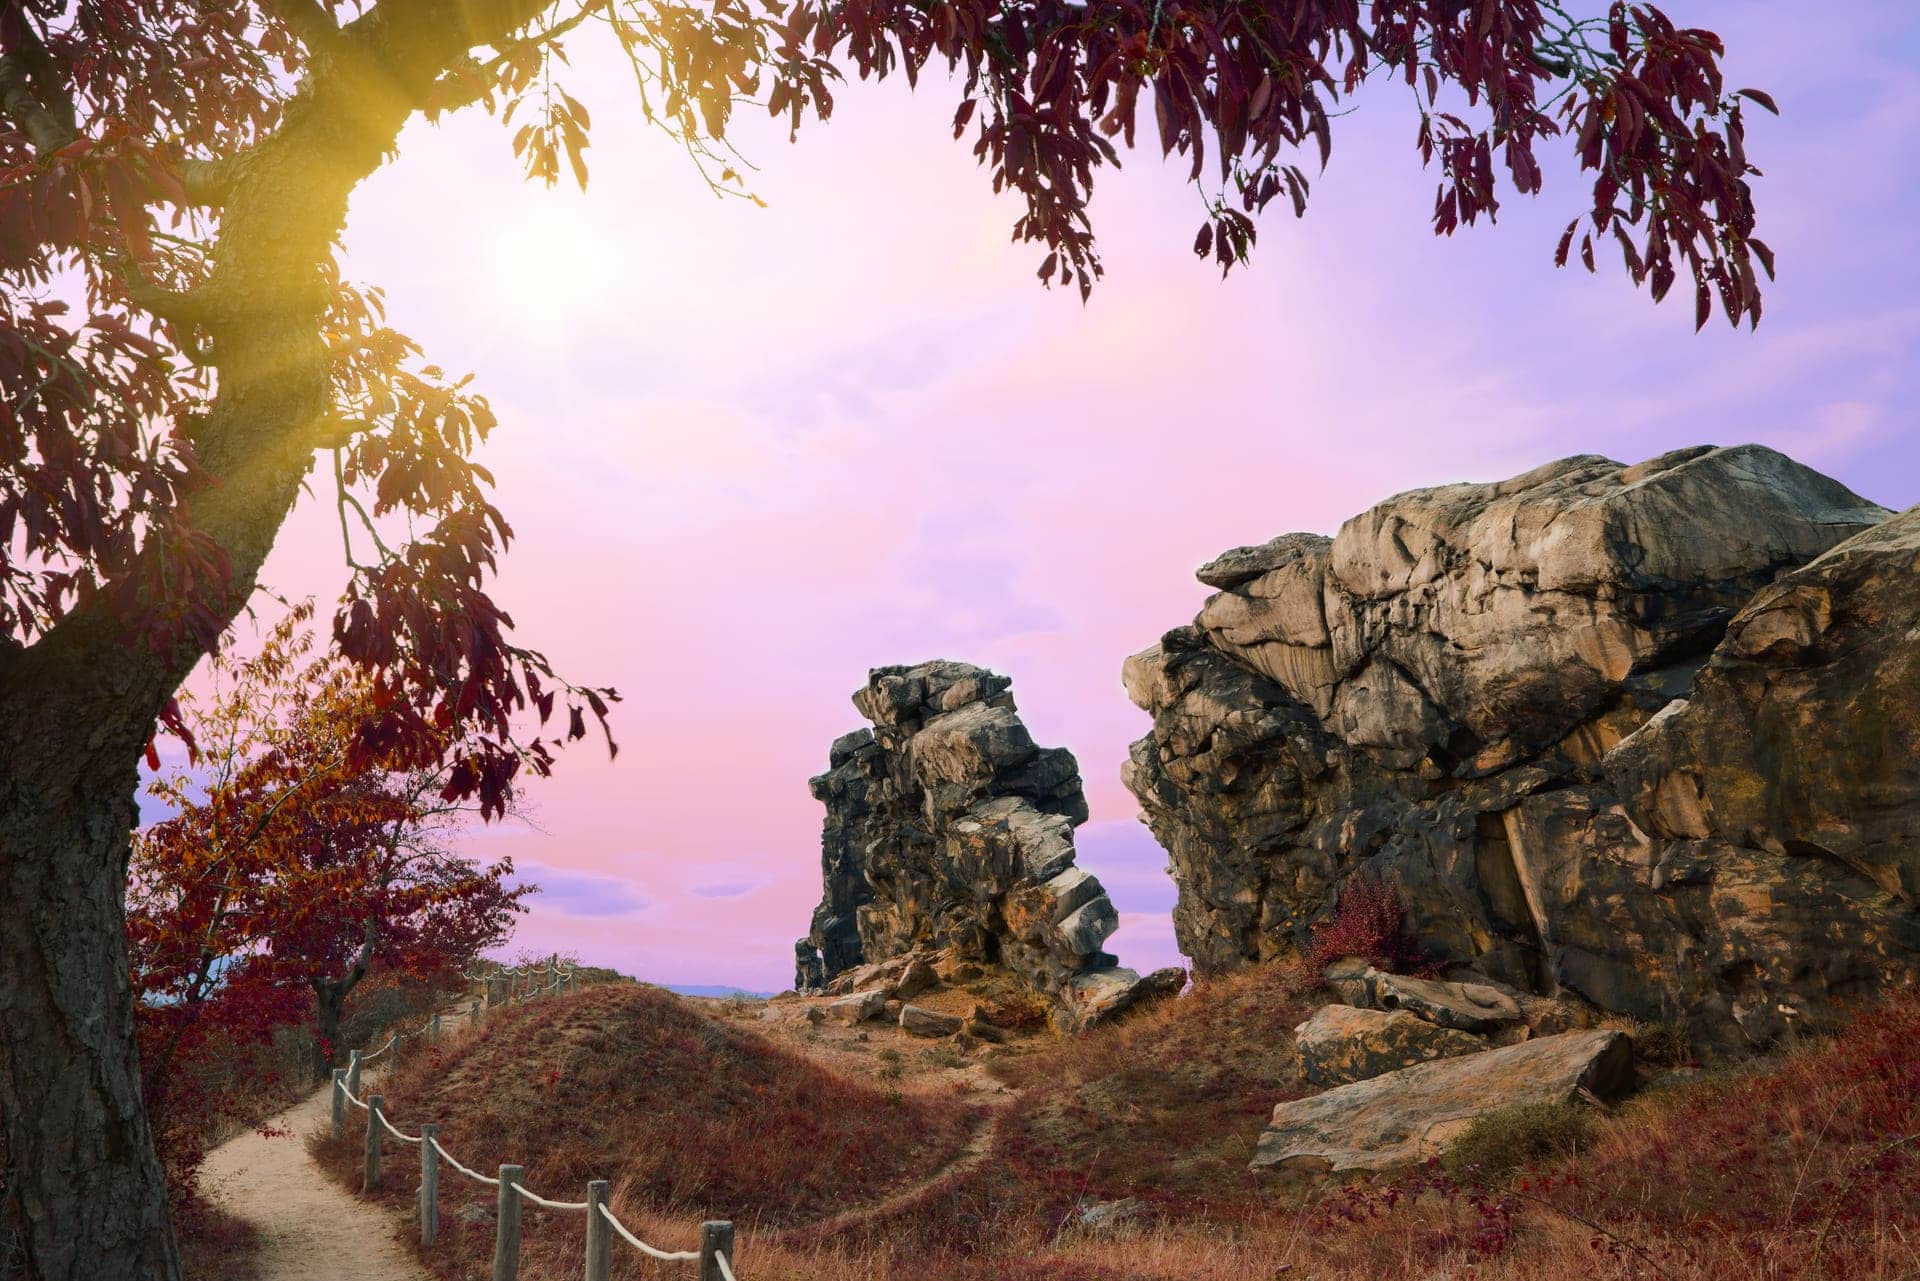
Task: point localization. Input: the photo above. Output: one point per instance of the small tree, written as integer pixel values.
(294, 861)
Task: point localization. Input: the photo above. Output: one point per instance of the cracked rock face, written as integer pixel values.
(948, 829)
(1643, 734)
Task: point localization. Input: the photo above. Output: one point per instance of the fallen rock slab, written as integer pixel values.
(917, 977)
(1341, 1044)
(918, 1020)
(1095, 996)
(859, 1007)
(1407, 1116)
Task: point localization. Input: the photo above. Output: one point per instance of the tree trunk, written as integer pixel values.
(84, 1188)
(327, 1002)
(330, 997)
(77, 706)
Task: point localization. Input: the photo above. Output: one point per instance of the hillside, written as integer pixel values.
(688, 1117)
(1121, 1154)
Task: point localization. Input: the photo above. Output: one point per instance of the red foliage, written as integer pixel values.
(1367, 921)
(289, 868)
(207, 1065)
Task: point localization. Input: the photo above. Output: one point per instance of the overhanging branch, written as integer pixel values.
(47, 129)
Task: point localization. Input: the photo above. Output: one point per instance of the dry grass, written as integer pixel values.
(1807, 1166)
(688, 1118)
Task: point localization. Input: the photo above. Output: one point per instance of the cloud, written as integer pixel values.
(582, 893)
(726, 889)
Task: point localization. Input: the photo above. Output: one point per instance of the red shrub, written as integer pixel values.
(1366, 922)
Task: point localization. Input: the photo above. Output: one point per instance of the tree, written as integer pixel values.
(188, 163)
(291, 862)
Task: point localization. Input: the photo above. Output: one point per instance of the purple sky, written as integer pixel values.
(752, 453)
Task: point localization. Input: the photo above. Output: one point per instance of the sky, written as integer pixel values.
(751, 453)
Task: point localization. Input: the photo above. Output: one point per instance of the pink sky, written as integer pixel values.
(752, 453)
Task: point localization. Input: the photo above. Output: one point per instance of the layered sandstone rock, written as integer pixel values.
(1641, 734)
(948, 830)
(1405, 1117)
(1341, 1044)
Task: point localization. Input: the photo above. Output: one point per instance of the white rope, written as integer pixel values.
(551, 1205)
(670, 1256)
(471, 1174)
(349, 1093)
(726, 1269)
(395, 1133)
(368, 1058)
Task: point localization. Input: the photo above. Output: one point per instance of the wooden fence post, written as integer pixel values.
(429, 1185)
(370, 1178)
(473, 1014)
(506, 1239)
(715, 1238)
(433, 1030)
(353, 1074)
(599, 1233)
(339, 1102)
(393, 1055)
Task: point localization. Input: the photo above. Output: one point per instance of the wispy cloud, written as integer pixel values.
(582, 893)
(726, 889)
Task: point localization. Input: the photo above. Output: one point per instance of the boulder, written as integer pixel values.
(1347, 977)
(916, 978)
(1096, 996)
(1341, 1044)
(1635, 737)
(1405, 1117)
(1470, 1007)
(917, 1020)
(859, 1007)
(949, 832)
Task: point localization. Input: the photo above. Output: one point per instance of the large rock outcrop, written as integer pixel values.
(948, 829)
(1644, 734)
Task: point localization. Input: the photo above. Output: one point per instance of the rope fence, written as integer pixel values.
(715, 1255)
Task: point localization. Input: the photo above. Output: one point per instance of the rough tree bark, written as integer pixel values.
(84, 1190)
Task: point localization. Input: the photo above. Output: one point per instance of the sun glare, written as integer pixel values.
(550, 261)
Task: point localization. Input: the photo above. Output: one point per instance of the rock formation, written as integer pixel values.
(1641, 734)
(949, 830)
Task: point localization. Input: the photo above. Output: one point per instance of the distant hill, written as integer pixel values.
(713, 989)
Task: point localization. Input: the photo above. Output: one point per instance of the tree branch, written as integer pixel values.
(47, 129)
(458, 83)
(311, 23)
(208, 182)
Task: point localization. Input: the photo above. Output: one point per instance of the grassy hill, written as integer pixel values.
(688, 1117)
(1806, 1165)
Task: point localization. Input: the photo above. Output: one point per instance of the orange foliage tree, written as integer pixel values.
(293, 863)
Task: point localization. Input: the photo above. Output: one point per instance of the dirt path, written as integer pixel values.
(310, 1228)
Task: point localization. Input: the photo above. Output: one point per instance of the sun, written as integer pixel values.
(551, 261)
